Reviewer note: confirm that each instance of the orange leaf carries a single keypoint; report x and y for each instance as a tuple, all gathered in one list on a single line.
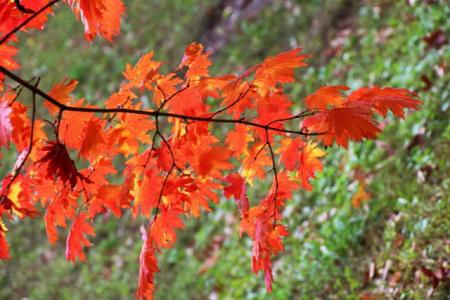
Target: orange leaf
[(100, 17), (6, 58), (148, 266), (163, 228), (93, 140), (214, 160), (360, 196), (278, 69), (144, 70), (147, 193), (326, 95), (196, 61), (61, 92), (309, 163)]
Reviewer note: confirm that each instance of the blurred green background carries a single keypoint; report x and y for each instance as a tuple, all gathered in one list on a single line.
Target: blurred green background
[(395, 246)]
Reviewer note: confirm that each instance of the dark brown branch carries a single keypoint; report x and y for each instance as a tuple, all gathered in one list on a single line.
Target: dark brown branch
[(146, 112), (58, 123), (23, 8), (21, 25)]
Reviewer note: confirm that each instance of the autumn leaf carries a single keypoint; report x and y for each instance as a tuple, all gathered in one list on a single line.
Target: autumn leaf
[(59, 163), (76, 240), (61, 92), (290, 150), (93, 141), (309, 163), (112, 197), (163, 228), (148, 266), (196, 61), (21, 126), (212, 161), (238, 140), (383, 99), (7, 53), (342, 124), (146, 192), (327, 95), (58, 211), (11, 16), (360, 196), (278, 69), (4, 247), (144, 70), (166, 133), (100, 17), (237, 189)]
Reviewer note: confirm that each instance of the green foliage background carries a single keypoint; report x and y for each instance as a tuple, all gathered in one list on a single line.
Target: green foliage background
[(402, 228)]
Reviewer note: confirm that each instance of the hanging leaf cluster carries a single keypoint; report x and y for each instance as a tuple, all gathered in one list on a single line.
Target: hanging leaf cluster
[(165, 128)]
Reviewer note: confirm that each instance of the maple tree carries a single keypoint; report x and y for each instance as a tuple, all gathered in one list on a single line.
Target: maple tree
[(175, 160)]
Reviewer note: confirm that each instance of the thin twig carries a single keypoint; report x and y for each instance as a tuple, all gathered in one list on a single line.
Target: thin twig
[(146, 112), (238, 99), (23, 8), (275, 172), (30, 147)]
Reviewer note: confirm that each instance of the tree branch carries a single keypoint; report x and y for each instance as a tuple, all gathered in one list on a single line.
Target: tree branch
[(153, 113)]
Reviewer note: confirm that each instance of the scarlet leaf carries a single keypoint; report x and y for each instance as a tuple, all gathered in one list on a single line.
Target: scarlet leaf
[(59, 163), (213, 160), (93, 143), (148, 266), (383, 99), (342, 124), (146, 193), (4, 247), (76, 239), (237, 189)]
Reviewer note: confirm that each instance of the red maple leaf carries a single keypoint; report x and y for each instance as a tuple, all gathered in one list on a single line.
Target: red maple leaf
[(237, 189), (76, 239), (59, 163), (100, 17)]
